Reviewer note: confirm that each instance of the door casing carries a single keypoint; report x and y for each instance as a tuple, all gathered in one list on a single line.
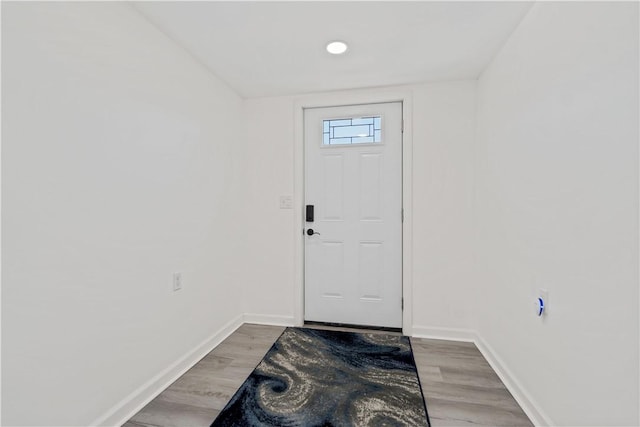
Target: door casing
[(345, 99)]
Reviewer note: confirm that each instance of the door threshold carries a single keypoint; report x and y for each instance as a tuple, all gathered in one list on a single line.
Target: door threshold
[(350, 327)]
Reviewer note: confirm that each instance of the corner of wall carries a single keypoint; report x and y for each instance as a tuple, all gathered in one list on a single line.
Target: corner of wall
[(130, 405), (517, 390)]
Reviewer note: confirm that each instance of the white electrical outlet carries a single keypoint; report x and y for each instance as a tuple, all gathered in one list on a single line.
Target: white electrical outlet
[(177, 281)]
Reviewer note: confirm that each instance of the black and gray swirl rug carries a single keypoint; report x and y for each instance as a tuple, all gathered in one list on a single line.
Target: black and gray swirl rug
[(324, 378)]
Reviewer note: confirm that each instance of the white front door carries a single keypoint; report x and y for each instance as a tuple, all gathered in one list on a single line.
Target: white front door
[(353, 196)]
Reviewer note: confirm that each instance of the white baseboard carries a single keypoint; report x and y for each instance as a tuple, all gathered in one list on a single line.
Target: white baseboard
[(449, 334), (524, 399), (130, 405), (269, 319)]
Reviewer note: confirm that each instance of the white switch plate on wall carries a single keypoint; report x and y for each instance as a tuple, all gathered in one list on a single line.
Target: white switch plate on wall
[(286, 202)]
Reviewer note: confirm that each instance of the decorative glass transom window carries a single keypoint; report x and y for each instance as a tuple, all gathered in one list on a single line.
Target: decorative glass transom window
[(361, 130)]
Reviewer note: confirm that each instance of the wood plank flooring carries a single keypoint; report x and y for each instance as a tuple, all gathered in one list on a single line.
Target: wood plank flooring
[(459, 386)]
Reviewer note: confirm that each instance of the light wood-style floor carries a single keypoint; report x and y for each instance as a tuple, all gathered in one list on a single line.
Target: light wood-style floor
[(459, 386)]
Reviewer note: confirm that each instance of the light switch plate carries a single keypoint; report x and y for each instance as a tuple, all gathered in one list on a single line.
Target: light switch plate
[(286, 202)]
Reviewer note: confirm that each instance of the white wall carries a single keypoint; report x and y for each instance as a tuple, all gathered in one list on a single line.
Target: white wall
[(557, 208), (121, 163), (443, 127), (443, 132), (269, 290)]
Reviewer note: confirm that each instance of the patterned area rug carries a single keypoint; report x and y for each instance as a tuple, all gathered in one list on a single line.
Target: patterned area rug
[(314, 377)]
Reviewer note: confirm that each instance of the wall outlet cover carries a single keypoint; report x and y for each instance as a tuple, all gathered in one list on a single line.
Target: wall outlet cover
[(177, 281)]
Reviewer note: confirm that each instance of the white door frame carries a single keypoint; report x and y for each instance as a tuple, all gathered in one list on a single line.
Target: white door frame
[(353, 98)]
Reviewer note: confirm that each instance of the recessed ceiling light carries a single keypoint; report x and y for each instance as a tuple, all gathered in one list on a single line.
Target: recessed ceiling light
[(337, 47)]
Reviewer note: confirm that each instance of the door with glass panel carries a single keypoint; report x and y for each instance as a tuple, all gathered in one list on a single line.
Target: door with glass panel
[(353, 214)]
